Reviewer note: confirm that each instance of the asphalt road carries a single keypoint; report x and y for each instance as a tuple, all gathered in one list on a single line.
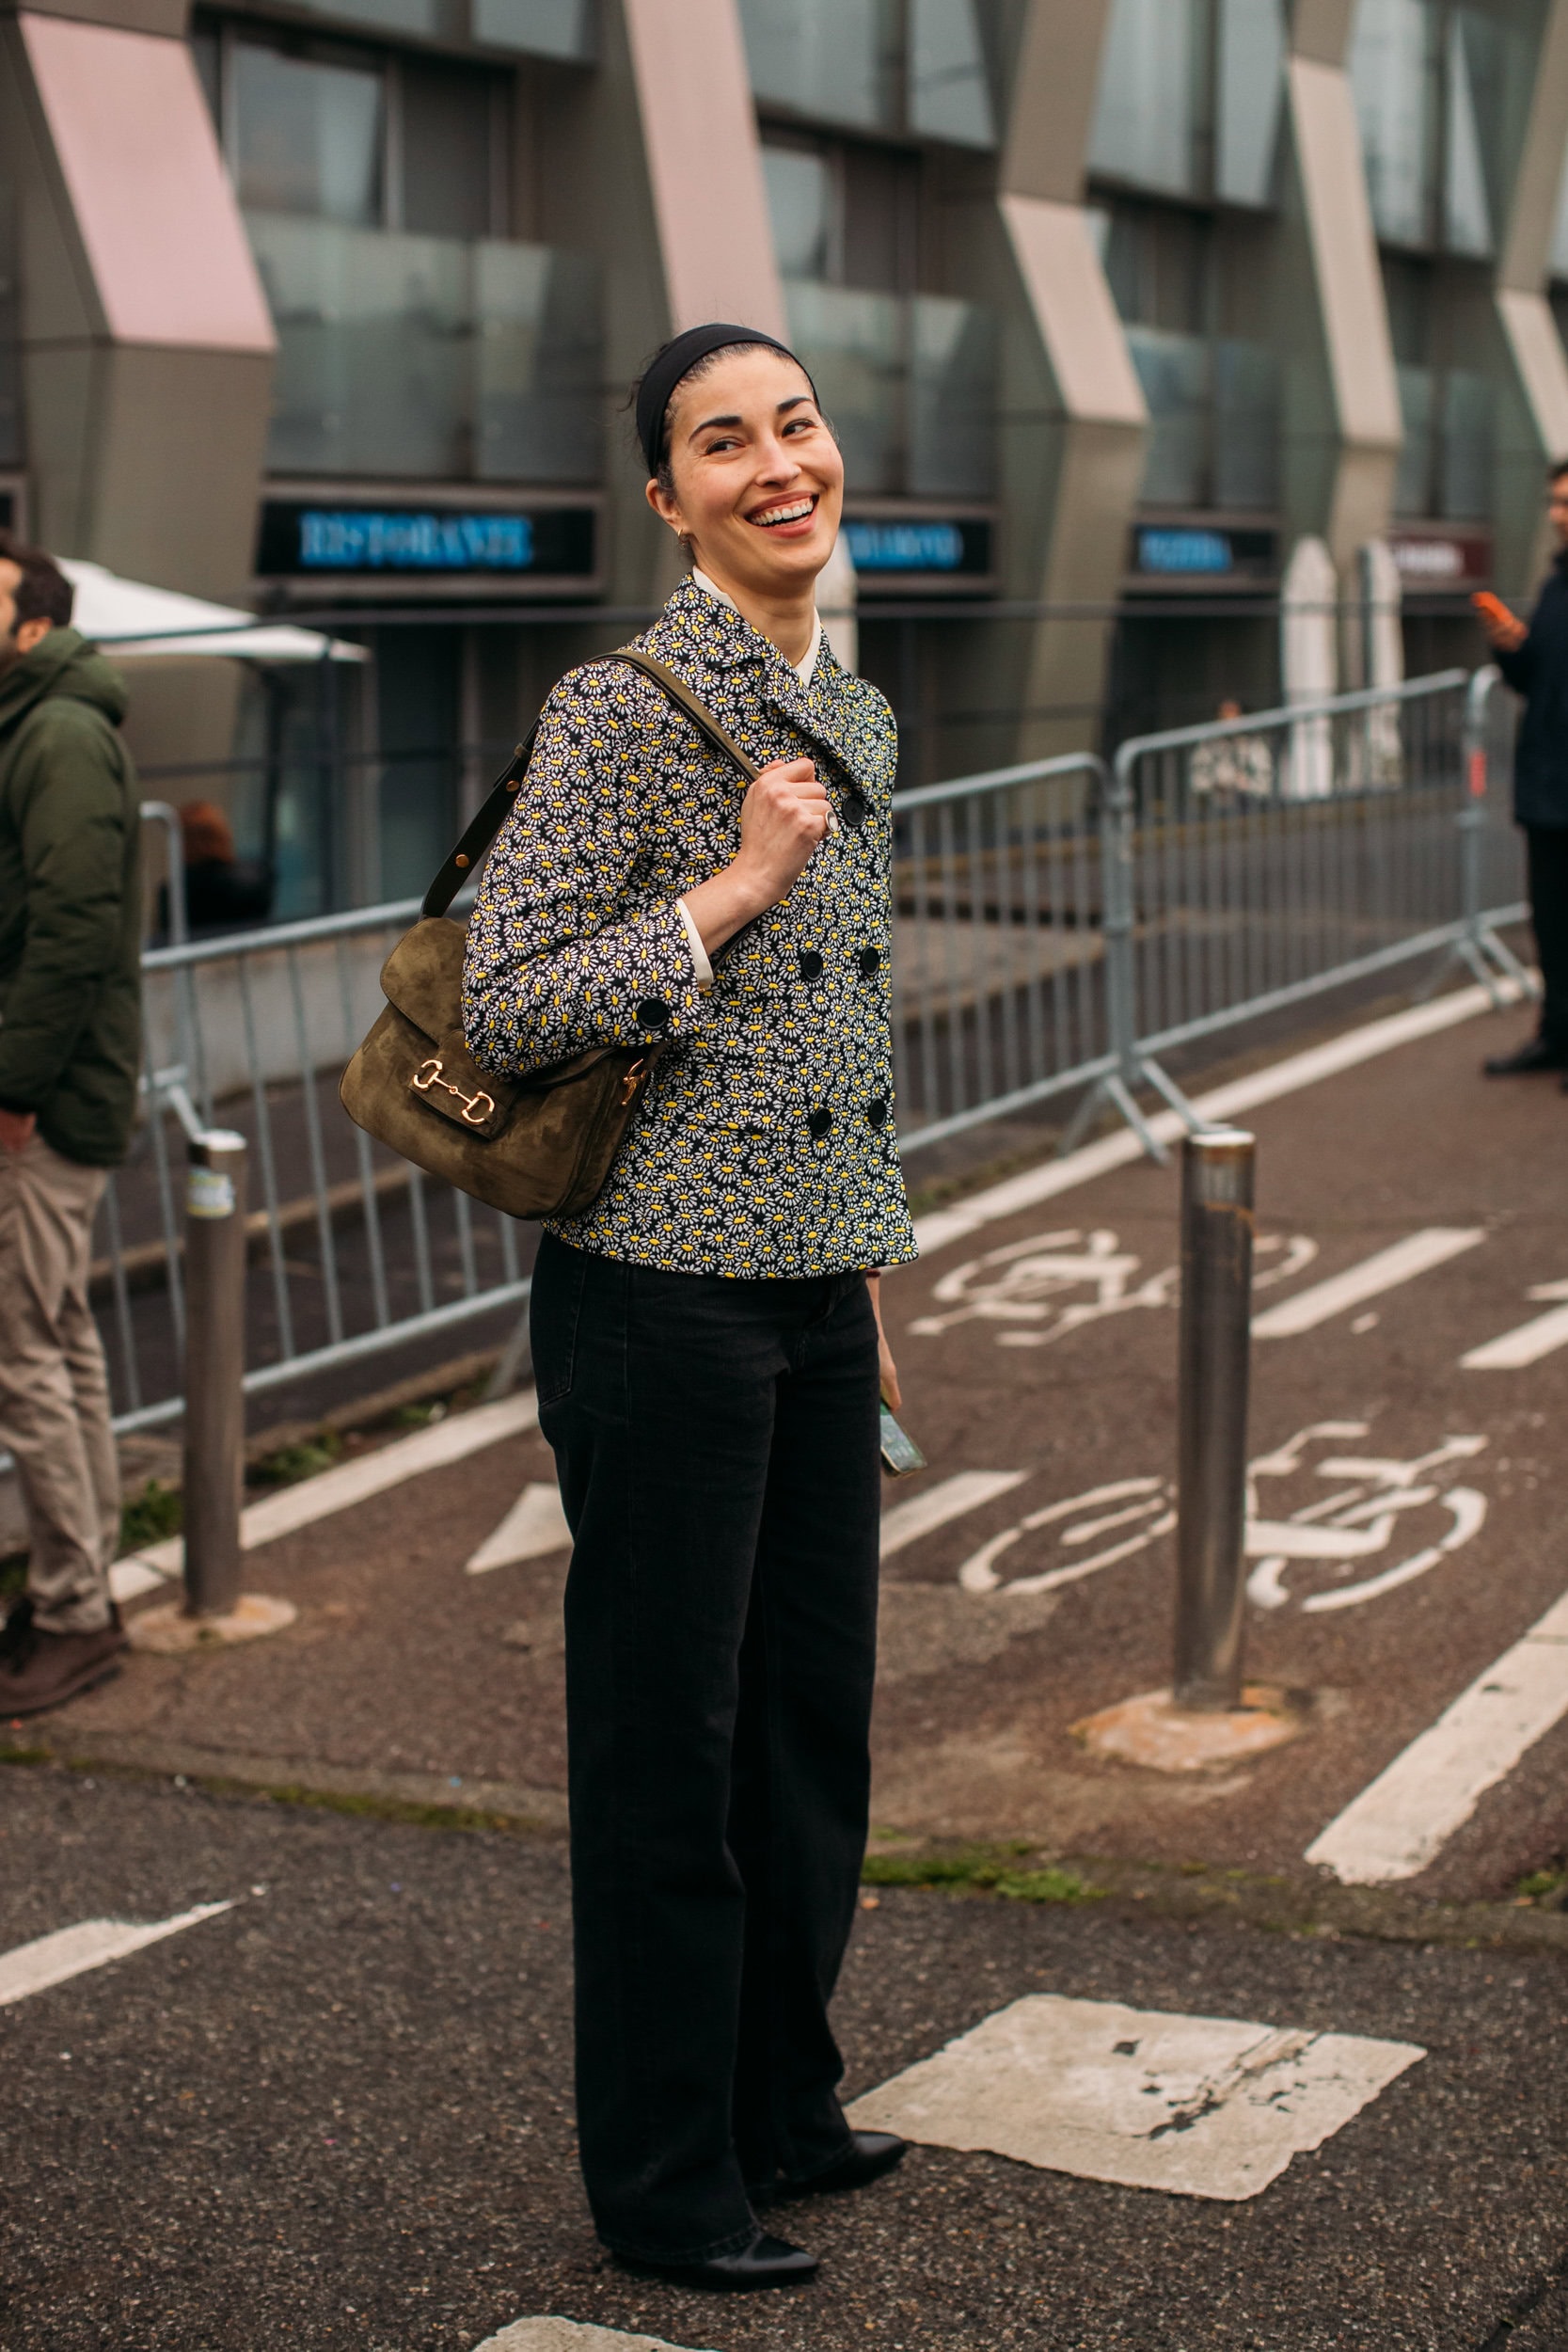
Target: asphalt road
[(339, 2114)]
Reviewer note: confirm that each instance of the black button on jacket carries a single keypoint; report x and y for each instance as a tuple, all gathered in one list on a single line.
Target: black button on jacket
[(1539, 671)]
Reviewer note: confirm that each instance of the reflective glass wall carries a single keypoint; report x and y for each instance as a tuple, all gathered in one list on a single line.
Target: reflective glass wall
[(933, 67), (1185, 155), (1442, 95), (414, 341)]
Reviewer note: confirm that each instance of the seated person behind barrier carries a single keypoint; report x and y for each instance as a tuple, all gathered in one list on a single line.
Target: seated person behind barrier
[(1232, 767), (222, 893)]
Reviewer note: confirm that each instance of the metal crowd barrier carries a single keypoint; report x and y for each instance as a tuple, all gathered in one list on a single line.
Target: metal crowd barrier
[(1058, 927)]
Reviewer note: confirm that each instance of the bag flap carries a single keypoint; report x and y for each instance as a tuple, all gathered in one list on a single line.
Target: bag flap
[(423, 975)]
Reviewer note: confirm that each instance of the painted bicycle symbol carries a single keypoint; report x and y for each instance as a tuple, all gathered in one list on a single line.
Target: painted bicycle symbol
[(1374, 1505), (1029, 1287)]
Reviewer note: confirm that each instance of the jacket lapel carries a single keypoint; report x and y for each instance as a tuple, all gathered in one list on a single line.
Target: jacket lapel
[(725, 661)]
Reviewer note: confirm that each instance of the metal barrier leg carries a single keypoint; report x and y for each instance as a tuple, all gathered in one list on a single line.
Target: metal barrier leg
[(215, 1370), (1215, 1354)]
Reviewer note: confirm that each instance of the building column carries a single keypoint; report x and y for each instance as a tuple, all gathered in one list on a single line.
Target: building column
[(1074, 423), (1535, 434)]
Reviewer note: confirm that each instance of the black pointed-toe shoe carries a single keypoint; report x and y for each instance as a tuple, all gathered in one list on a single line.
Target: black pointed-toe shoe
[(867, 2157), (1537, 1053), (767, 2261)]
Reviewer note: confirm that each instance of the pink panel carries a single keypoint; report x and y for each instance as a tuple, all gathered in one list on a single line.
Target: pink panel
[(153, 204), (699, 130)]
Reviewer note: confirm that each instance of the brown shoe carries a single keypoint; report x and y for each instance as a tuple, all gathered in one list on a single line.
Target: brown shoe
[(40, 1669)]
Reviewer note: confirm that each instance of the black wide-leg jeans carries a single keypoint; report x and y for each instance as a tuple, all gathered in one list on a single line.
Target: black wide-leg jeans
[(717, 1446)]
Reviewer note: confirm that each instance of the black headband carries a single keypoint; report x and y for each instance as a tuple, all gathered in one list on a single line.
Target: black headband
[(676, 360)]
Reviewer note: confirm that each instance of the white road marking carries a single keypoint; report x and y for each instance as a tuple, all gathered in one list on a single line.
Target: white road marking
[(1404, 1819), (568, 2335), (1383, 1271), (534, 1527), (71, 1951), (1226, 1103), (1199, 2106), (963, 1492), (444, 1443), (1542, 1336)]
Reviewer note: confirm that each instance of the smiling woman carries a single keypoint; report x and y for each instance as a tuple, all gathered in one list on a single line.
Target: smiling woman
[(706, 1335)]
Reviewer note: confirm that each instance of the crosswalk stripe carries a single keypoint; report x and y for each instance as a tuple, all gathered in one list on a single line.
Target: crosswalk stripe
[(71, 1951), (1383, 1271), (1404, 1817), (1542, 1336), (924, 1513)]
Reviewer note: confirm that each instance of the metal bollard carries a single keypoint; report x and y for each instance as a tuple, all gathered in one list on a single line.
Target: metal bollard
[(1215, 1350), (215, 1370)]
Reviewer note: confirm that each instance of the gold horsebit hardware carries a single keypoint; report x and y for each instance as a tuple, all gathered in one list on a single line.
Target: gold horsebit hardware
[(477, 1107)]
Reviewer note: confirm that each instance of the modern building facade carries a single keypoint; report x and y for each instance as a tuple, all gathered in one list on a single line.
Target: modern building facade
[(1114, 304)]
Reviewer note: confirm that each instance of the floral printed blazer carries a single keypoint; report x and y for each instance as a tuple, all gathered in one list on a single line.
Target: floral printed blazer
[(765, 1142)]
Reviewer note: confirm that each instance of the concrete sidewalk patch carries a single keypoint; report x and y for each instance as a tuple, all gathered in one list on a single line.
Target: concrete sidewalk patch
[(1199, 2106), (565, 2335)]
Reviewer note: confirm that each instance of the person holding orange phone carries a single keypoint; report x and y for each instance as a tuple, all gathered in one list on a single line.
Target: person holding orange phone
[(1533, 657)]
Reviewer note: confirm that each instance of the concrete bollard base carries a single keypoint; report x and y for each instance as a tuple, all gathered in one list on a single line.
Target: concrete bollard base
[(168, 1632), (1152, 1731)]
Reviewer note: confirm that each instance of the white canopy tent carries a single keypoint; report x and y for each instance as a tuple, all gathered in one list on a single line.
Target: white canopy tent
[(137, 623)]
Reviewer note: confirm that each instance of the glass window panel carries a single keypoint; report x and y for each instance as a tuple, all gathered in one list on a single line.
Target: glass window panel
[(1246, 426), (799, 199), (434, 20), (1146, 117), (417, 675), (1464, 490), (952, 400), (1418, 408), (204, 57), (545, 29), (1391, 67), (853, 346), (1559, 235), (1466, 212), (1251, 97), (540, 365), (308, 136), (882, 213), (1175, 375), (445, 143), (405, 355), (950, 89), (827, 57)]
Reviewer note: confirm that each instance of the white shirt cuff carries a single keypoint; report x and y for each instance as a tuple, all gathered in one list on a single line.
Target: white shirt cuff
[(700, 964)]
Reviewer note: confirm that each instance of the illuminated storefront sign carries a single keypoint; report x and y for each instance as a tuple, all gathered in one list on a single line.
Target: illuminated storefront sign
[(1442, 558), (1201, 552), (299, 539), (925, 547)]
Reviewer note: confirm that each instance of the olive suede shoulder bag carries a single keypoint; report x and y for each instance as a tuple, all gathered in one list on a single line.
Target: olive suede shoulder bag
[(540, 1144)]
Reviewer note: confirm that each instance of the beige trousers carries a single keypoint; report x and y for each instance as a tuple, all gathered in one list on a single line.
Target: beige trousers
[(54, 1386)]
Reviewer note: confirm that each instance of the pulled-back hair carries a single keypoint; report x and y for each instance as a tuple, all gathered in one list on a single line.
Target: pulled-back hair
[(43, 592), (699, 368)]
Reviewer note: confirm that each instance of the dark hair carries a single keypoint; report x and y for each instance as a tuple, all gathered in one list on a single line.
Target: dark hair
[(43, 592), (657, 379), (1555, 473)]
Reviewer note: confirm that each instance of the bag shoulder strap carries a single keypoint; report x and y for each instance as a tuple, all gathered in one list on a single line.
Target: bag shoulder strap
[(483, 829)]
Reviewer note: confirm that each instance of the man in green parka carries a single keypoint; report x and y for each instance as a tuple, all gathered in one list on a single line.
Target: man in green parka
[(70, 1052)]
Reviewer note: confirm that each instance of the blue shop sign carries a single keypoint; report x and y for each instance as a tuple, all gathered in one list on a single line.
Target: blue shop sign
[(1199, 553), (299, 539), (883, 547), (1184, 551)]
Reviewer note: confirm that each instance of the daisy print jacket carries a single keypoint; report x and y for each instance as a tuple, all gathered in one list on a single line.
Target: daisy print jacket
[(765, 1143)]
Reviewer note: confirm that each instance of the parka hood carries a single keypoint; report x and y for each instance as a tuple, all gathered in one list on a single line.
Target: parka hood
[(61, 663)]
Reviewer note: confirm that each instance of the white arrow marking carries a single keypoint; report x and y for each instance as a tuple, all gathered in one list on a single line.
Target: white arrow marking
[(71, 1951), (908, 1522), (536, 1524), (1530, 1343), (1398, 1824), (1417, 1254)]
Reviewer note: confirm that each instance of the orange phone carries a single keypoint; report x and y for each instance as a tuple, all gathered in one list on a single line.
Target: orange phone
[(1491, 606)]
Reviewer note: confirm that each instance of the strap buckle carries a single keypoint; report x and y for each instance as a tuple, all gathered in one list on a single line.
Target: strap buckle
[(477, 1107), (635, 1075)]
